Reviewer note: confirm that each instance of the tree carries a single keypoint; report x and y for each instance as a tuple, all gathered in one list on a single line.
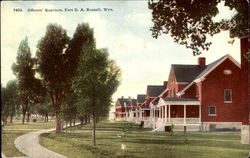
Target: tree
[(29, 88), (96, 80), (69, 109), (57, 58), (189, 22), (10, 101), (13, 101), (4, 107), (44, 108)]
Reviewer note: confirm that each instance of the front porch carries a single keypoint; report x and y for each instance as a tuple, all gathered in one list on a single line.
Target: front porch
[(182, 113)]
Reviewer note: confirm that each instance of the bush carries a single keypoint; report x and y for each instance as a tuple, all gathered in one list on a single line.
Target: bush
[(34, 120)]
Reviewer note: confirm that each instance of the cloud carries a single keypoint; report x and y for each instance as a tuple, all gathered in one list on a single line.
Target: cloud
[(100, 28), (143, 19)]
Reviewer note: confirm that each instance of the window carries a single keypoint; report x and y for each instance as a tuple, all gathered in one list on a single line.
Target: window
[(212, 111), (228, 96)]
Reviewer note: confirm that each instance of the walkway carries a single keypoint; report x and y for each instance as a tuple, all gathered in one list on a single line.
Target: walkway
[(29, 145)]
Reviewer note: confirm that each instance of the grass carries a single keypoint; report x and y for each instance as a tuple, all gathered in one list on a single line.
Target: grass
[(11, 131), (143, 143)]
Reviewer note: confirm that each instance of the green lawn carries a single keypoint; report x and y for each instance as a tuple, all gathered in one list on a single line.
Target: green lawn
[(143, 143), (11, 131)]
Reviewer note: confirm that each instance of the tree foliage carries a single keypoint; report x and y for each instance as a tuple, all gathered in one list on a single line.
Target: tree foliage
[(10, 101), (189, 22), (57, 58), (96, 80), (30, 88), (44, 108)]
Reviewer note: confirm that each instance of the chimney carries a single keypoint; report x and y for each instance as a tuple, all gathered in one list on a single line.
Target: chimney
[(202, 61), (122, 97), (165, 83), (129, 97)]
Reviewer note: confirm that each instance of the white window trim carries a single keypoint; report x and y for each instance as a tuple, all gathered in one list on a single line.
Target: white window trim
[(209, 111), (231, 96)]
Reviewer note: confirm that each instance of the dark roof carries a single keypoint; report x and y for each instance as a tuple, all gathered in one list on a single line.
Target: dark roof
[(134, 102), (141, 98), (155, 102), (180, 99), (186, 73), (155, 91), (145, 107), (126, 101), (208, 67)]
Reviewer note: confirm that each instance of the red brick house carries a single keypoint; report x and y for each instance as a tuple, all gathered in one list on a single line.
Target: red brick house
[(123, 106), (203, 97)]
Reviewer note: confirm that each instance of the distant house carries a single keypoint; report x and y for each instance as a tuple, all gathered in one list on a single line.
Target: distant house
[(123, 106), (141, 98)]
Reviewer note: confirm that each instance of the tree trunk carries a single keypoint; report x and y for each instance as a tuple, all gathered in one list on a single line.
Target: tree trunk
[(58, 125), (24, 113), (85, 119), (70, 123), (89, 119), (56, 101), (28, 117), (28, 114), (94, 123), (81, 119), (46, 118), (5, 120), (11, 117), (74, 122)]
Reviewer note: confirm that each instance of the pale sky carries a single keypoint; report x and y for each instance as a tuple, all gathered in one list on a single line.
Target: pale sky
[(124, 31)]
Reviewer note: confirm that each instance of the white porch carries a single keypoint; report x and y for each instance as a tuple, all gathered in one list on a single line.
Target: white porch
[(161, 115)]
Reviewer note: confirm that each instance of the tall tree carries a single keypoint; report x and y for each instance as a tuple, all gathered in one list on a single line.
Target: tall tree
[(13, 101), (189, 22), (96, 80), (57, 56), (29, 88), (4, 107)]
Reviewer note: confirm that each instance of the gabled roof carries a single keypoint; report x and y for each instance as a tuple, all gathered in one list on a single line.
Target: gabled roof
[(134, 102), (141, 98), (155, 90), (186, 73), (209, 68), (126, 101)]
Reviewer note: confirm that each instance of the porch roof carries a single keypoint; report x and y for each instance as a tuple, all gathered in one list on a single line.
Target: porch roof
[(178, 101), (145, 107)]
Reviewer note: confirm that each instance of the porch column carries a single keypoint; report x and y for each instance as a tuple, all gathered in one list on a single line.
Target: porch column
[(184, 113), (169, 113), (165, 113), (162, 112), (154, 118), (142, 114), (200, 113)]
